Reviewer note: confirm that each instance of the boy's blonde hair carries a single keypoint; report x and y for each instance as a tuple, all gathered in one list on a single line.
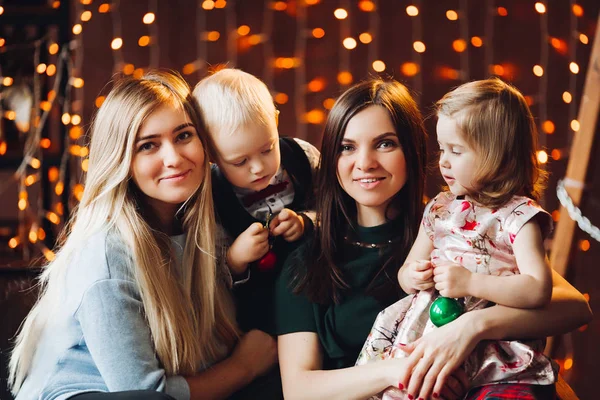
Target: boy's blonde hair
[(496, 122), (191, 326), (231, 98)]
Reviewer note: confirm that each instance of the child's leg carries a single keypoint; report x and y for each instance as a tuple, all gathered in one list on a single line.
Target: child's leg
[(512, 391)]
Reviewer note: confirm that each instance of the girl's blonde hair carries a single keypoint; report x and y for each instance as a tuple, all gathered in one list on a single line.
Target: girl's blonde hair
[(231, 98), (495, 120), (185, 337)]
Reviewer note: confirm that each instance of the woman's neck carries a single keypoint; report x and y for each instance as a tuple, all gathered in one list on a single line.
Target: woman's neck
[(163, 217), (370, 216)]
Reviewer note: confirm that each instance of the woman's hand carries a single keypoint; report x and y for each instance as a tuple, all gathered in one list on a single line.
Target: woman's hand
[(256, 352), (437, 355)]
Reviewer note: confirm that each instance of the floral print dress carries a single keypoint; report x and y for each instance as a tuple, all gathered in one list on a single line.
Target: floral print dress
[(480, 239)]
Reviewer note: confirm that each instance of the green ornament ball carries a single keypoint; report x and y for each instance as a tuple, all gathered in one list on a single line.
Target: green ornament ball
[(444, 310)]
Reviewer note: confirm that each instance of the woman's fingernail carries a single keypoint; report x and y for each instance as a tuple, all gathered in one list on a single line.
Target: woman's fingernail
[(436, 395), (400, 386), (410, 396), (401, 344)]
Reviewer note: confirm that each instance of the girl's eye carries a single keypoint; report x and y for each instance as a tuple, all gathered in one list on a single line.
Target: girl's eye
[(458, 153), (239, 164), (346, 147), (267, 151)]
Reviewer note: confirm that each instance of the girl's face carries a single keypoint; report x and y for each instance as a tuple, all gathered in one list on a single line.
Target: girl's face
[(371, 167), (168, 160), (458, 160)]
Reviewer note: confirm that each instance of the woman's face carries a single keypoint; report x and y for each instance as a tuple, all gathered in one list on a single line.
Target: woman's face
[(168, 160), (371, 167)]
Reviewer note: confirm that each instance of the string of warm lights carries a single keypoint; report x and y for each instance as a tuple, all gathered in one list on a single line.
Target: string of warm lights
[(300, 73), (232, 33), (267, 31), (414, 69), (117, 42), (348, 42), (489, 35), (202, 39), (542, 97), (373, 34), (150, 19), (461, 45)]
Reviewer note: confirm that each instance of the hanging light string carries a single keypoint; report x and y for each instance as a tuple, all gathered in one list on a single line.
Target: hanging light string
[(2, 142), (417, 58), (543, 87), (463, 22), (344, 65), (117, 42), (267, 31), (300, 72), (373, 47), (201, 41), (489, 36), (32, 156), (32, 145), (232, 35), (33, 126), (153, 31), (573, 77)]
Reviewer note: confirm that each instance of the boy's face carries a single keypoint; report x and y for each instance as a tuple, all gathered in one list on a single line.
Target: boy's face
[(249, 157)]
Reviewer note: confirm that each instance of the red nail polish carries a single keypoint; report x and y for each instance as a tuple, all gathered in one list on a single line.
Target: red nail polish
[(436, 395), (400, 386), (401, 344), (410, 396)]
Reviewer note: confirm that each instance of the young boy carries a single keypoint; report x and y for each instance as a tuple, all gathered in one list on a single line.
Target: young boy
[(261, 186)]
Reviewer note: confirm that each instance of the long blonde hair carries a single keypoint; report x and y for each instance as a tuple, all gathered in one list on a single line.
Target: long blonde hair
[(184, 338)]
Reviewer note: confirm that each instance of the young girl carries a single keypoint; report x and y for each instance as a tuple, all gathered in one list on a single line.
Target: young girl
[(134, 301), (369, 197), (482, 240)]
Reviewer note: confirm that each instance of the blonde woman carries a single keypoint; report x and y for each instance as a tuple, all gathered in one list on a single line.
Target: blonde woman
[(134, 302)]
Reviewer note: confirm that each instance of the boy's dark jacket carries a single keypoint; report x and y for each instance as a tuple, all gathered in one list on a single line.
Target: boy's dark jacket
[(255, 298)]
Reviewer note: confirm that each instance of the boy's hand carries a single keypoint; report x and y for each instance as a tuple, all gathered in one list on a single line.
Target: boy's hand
[(288, 224), (251, 245), (416, 275), (452, 280)]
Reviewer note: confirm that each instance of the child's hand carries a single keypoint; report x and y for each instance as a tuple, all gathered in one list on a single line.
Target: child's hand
[(251, 245), (288, 224), (452, 280), (416, 275)]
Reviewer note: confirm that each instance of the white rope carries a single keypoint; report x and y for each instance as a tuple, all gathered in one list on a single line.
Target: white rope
[(575, 213)]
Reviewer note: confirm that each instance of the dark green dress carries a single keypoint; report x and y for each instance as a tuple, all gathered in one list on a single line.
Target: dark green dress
[(342, 328)]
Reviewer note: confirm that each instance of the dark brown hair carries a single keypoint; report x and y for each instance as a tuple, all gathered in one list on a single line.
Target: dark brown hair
[(495, 120), (336, 210)]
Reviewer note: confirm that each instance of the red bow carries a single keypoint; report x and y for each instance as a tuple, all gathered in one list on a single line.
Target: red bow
[(252, 198)]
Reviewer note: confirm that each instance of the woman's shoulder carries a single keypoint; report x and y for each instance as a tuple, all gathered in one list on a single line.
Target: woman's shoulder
[(104, 255)]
